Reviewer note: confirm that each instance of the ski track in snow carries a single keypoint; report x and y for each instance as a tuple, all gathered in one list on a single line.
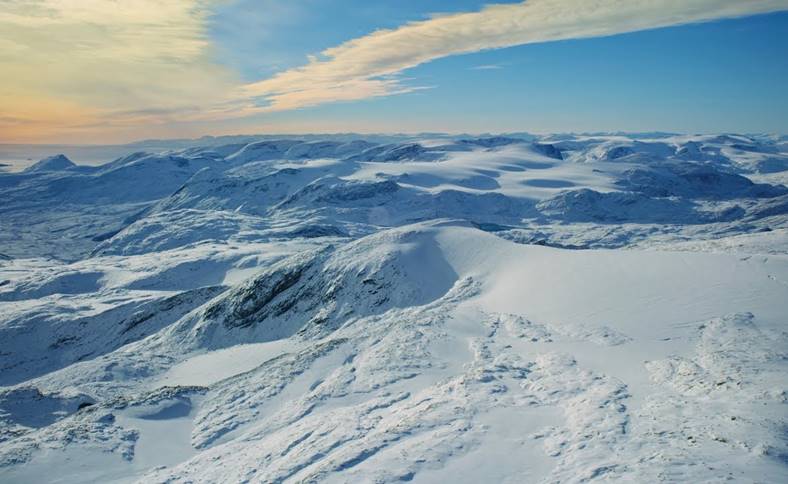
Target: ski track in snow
[(444, 309)]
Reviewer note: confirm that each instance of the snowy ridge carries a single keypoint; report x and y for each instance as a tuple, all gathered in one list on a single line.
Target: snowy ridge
[(562, 308)]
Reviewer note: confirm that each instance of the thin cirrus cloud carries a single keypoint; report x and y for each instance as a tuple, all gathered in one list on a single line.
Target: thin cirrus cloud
[(106, 70), (368, 66), (104, 66)]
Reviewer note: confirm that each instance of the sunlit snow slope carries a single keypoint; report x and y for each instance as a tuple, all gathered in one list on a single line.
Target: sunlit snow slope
[(428, 309)]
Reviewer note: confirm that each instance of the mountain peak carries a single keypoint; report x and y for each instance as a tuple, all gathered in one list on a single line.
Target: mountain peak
[(52, 163)]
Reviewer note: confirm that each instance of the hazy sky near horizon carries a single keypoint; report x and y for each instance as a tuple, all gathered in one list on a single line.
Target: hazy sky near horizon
[(106, 71)]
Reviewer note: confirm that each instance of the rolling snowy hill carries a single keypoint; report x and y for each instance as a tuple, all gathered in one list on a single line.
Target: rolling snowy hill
[(564, 308)]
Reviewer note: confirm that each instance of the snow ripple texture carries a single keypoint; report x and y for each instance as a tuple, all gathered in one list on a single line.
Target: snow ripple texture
[(432, 309)]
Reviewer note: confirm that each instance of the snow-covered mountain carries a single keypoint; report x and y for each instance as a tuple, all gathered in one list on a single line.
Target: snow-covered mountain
[(562, 308)]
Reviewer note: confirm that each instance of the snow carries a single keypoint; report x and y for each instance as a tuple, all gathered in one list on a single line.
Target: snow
[(564, 308), (52, 163), (163, 433), (215, 366)]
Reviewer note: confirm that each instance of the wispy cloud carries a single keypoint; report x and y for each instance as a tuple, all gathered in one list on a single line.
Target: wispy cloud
[(107, 66), (368, 66), (487, 67), (66, 63)]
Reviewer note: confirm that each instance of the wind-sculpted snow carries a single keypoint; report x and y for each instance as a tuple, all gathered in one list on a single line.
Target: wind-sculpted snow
[(290, 149), (161, 231), (52, 163), (695, 181), (736, 361), (399, 308), (615, 207), (68, 338), (245, 189), (335, 191), (401, 152), (65, 213), (313, 293)]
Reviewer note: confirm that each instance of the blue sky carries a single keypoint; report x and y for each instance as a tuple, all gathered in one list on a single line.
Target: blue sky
[(106, 71), (261, 37), (726, 75)]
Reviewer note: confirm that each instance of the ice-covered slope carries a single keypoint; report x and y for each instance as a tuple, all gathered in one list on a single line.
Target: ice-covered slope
[(499, 309), (52, 163), (62, 214), (428, 350)]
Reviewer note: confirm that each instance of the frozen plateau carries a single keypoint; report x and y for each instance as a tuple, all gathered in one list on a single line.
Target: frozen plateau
[(432, 308)]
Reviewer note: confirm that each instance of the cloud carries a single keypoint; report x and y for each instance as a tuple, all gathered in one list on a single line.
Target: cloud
[(111, 69), (368, 66), (487, 67), (71, 63)]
